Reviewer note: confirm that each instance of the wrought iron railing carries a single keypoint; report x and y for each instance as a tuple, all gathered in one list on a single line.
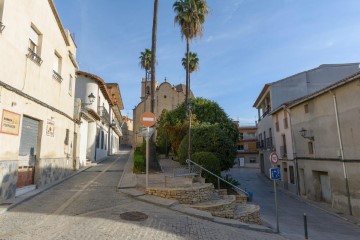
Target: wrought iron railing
[(57, 76), (283, 151), (104, 114), (236, 188), (34, 57)]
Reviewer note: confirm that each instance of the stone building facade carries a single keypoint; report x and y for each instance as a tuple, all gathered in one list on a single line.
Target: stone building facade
[(167, 96)]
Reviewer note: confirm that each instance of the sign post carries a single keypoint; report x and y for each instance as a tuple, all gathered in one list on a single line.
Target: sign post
[(275, 175), (148, 120)]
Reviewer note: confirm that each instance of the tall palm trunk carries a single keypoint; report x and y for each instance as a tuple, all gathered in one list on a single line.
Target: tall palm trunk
[(153, 164), (187, 74), (145, 90)]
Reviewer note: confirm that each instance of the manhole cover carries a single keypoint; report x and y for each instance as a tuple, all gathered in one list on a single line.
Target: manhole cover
[(134, 216)]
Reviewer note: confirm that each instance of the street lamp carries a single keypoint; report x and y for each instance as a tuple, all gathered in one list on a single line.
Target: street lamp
[(303, 133), (91, 100)]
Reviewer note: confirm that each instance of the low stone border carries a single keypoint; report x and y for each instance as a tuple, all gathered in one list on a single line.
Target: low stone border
[(190, 195)]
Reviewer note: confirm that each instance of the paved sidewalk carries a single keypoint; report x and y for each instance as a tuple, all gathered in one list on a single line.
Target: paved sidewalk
[(134, 185)]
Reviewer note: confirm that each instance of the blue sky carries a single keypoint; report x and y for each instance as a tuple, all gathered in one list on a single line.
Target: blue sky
[(246, 43)]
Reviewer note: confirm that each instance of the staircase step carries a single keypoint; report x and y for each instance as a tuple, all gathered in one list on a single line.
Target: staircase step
[(247, 213), (218, 205)]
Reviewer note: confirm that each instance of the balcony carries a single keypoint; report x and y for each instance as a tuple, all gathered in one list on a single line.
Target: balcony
[(264, 114), (104, 114), (265, 144), (116, 126), (283, 152), (57, 76), (34, 57)]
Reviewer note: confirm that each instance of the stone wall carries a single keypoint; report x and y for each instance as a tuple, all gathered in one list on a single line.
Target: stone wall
[(191, 195), (248, 213), (8, 178)]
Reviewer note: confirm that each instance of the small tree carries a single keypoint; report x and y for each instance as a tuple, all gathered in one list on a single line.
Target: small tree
[(210, 138)]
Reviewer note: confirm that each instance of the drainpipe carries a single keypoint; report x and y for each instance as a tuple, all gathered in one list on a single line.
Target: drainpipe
[(294, 153), (342, 153)]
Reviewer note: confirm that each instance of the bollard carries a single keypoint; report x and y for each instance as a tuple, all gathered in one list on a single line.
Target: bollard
[(305, 226)]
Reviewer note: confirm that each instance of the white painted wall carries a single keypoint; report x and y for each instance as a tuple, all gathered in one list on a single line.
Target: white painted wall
[(83, 141), (36, 81)]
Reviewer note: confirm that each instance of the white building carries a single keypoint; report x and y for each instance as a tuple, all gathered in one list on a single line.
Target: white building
[(100, 116), (276, 93), (38, 133)]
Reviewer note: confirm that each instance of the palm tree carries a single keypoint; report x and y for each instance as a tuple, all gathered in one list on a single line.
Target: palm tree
[(153, 164), (145, 63), (190, 15), (193, 63)]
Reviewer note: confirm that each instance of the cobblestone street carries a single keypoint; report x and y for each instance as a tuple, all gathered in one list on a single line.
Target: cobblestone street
[(87, 206)]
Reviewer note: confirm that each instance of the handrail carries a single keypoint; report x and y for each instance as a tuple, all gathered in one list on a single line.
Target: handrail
[(219, 178)]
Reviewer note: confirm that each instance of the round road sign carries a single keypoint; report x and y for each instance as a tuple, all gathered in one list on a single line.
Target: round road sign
[(274, 158), (147, 119)]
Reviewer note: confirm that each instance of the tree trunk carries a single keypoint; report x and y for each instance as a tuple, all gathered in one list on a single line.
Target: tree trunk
[(187, 75), (146, 78), (153, 164)]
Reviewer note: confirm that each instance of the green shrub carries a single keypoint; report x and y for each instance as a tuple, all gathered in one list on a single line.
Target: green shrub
[(139, 161), (231, 180), (207, 137), (209, 161)]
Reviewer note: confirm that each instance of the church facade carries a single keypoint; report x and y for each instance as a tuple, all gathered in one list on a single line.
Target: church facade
[(167, 97)]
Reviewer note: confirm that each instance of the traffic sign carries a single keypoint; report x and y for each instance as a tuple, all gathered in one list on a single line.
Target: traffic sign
[(275, 173), (274, 158), (147, 119)]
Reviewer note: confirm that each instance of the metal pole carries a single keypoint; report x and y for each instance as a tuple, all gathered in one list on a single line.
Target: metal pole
[(305, 226), (342, 154), (276, 208), (147, 156)]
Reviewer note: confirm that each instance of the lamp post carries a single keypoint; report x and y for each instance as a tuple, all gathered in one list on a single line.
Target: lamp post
[(91, 100), (303, 133)]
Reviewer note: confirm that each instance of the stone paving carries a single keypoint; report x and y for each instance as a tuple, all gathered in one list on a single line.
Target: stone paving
[(87, 206)]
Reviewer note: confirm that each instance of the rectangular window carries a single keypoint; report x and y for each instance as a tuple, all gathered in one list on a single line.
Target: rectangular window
[(97, 138), (241, 136), (277, 128), (292, 178), (67, 137), (252, 160), (34, 41), (57, 67), (286, 125), (311, 147), (240, 147), (306, 108), (34, 46), (70, 84), (102, 139), (283, 148)]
